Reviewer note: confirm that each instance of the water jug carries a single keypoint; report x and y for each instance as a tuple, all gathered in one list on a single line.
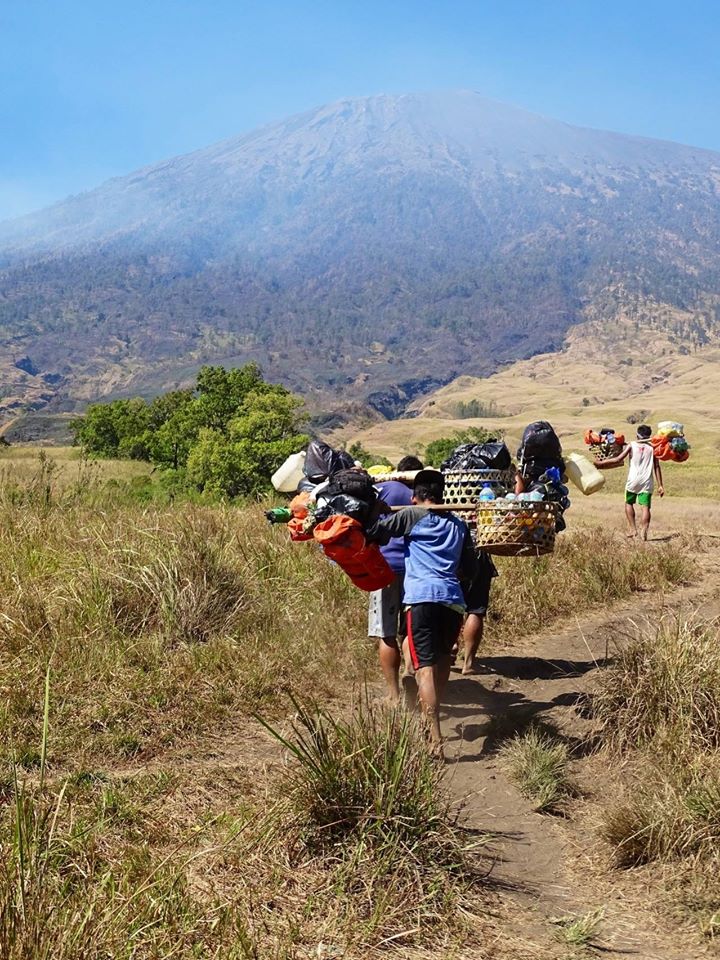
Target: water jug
[(585, 475), (287, 477)]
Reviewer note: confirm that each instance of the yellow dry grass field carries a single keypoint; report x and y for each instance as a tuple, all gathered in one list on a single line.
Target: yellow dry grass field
[(594, 381)]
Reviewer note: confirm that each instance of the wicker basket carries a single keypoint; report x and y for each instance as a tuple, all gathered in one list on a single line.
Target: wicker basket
[(516, 528), (464, 486), (603, 451)]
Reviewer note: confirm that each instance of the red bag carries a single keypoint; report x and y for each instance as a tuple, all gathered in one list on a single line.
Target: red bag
[(343, 541), (295, 526)]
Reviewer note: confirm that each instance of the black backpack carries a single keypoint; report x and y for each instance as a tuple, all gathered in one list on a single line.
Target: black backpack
[(539, 450)]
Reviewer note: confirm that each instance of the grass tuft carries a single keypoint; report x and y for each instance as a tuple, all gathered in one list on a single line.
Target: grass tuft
[(538, 764)]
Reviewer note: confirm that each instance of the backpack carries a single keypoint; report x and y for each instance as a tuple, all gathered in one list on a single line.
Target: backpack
[(353, 483), (540, 449)]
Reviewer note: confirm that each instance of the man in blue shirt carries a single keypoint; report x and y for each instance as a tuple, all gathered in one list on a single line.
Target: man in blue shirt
[(386, 619), (438, 552)]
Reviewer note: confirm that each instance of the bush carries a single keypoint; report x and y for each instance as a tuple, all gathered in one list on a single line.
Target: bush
[(537, 764)]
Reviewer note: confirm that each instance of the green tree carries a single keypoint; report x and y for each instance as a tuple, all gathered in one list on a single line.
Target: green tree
[(260, 438), (358, 452)]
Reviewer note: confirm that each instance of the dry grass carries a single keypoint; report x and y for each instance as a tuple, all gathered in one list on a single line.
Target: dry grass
[(162, 622), (660, 707), (664, 687), (538, 764), (588, 568)]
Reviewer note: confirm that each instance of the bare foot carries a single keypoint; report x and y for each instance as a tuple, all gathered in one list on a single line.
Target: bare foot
[(469, 666)]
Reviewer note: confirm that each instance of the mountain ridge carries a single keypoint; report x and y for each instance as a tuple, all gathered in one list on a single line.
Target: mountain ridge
[(368, 250)]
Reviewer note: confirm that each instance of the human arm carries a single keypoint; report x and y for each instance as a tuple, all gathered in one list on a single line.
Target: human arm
[(658, 477), (613, 461), (397, 524)]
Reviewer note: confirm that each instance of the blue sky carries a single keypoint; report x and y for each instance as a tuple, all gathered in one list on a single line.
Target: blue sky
[(90, 90)]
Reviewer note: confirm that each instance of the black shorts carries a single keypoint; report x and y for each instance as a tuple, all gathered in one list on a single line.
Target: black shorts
[(477, 592), (432, 629)]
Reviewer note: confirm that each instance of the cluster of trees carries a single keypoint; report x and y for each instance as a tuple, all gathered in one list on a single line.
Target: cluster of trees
[(476, 408), (225, 436)]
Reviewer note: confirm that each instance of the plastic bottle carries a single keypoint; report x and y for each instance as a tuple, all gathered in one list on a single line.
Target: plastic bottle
[(487, 493), (585, 475), (287, 477)]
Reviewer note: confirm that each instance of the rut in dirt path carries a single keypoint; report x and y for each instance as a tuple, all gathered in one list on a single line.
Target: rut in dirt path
[(544, 861)]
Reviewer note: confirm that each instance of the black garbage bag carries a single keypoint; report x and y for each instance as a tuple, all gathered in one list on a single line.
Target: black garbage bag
[(495, 454), (354, 483), (321, 461), (492, 455)]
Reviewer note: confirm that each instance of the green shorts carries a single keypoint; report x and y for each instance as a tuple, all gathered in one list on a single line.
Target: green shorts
[(644, 499)]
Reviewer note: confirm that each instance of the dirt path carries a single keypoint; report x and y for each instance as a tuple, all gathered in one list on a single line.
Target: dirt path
[(550, 865)]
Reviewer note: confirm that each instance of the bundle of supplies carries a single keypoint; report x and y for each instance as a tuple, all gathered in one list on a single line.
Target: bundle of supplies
[(605, 444), (669, 442)]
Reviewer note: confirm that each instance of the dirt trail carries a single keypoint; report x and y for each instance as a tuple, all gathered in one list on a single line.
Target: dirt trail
[(549, 865)]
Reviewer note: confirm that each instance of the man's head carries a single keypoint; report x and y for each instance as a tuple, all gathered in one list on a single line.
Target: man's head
[(644, 432), (409, 463), (428, 487)]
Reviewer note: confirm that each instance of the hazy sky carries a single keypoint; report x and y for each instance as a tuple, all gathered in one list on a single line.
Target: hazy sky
[(90, 89)]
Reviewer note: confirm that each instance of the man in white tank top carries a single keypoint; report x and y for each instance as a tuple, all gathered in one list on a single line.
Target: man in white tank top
[(643, 470)]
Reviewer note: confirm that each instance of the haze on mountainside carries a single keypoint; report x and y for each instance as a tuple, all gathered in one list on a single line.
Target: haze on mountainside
[(368, 250)]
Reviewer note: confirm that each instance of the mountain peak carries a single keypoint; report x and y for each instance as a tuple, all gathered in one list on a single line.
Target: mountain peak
[(370, 248)]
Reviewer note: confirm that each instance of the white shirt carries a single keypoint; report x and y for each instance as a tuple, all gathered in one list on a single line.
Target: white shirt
[(640, 473)]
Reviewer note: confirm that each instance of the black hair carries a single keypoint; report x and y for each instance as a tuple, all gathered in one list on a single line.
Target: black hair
[(431, 490), (644, 432), (410, 463)]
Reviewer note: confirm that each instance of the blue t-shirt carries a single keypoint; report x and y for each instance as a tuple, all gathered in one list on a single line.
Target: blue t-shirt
[(395, 494), (438, 551)]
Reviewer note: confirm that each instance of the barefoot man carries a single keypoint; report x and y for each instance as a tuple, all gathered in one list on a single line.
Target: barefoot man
[(643, 470), (438, 551)]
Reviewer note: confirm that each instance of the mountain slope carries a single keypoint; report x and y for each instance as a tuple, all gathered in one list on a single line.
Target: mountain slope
[(368, 250)]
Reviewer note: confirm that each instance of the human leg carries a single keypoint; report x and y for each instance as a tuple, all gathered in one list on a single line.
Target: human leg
[(472, 638), (645, 501), (630, 499), (384, 611), (432, 630), (477, 600), (389, 654)]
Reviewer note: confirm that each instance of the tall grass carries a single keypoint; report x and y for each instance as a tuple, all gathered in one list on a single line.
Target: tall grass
[(659, 705), (365, 799), (587, 569), (162, 621), (664, 685)]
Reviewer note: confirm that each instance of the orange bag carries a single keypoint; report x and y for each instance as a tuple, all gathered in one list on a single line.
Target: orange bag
[(295, 526), (343, 541)]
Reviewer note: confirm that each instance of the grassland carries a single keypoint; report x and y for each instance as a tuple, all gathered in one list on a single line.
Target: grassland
[(600, 378), (147, 812)]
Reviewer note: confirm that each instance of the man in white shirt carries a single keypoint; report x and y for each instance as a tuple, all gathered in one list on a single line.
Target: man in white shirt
[(643, 470)]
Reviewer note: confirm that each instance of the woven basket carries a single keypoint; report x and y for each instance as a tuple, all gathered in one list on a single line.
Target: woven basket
[(517, 529), (603, 451), (464, 486)]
